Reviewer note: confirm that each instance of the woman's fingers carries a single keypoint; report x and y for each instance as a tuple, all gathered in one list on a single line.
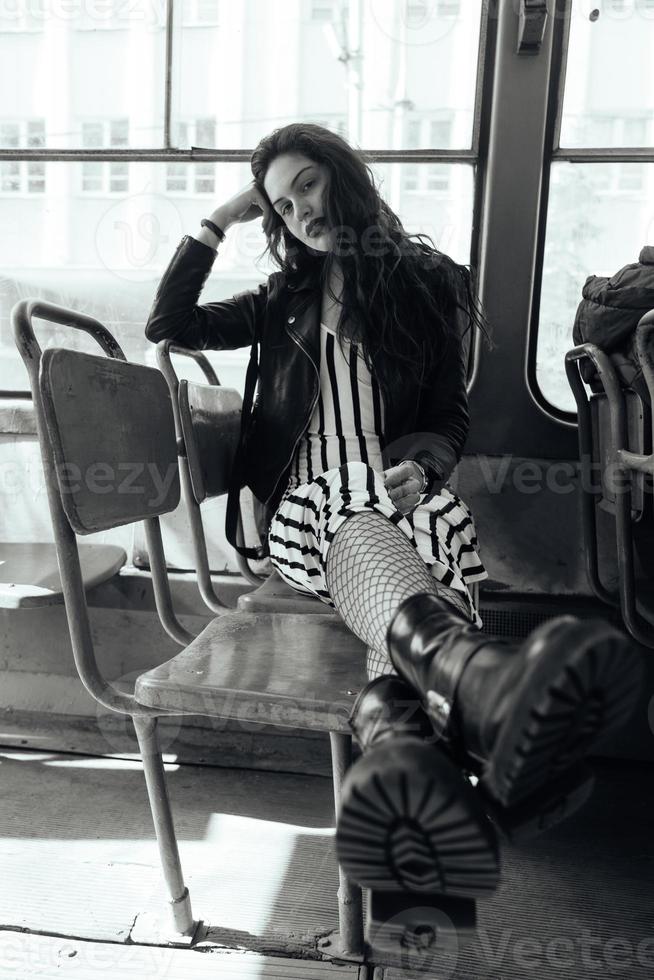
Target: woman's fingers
[(402, 485), (249, 203), (404, 499)]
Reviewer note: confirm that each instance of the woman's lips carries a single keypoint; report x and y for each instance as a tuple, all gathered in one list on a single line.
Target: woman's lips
[(315, 227)]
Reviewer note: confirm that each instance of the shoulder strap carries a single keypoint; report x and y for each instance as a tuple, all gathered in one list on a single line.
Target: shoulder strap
[(237, 478)]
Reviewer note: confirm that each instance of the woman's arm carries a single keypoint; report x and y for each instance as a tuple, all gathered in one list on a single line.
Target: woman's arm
[(175, 313), (443, 419)]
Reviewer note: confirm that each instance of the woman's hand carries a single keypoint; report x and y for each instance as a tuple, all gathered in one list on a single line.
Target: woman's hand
[(403, 483), (248, 204)]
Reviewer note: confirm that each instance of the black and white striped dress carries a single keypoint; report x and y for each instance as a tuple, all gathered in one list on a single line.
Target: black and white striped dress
[(338, 471)]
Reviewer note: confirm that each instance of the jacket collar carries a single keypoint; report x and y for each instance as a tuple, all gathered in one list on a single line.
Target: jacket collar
[(299, 283)]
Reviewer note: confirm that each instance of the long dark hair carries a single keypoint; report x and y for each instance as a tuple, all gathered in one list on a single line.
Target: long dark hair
[(401, 295)]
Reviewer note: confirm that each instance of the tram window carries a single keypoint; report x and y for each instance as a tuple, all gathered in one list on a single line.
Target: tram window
[(373, 64), (107, 228), (116, 246), (599, 212)]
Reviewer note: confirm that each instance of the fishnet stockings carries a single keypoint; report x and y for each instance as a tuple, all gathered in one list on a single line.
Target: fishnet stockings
[(371, 568)]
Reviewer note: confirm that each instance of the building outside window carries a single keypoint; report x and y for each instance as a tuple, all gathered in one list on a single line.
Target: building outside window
[(328, 10), (108, 227), (431, 177), (100, 177), (22, 176), (200, 13), (22, 15), (201, 177)]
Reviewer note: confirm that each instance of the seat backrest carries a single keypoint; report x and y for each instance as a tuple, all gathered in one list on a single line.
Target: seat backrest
[(111, 429), (210, 419), (207, 423), (638, 440)]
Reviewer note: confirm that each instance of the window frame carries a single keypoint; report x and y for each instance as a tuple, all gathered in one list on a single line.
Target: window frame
[(473, 156), (553, 154)]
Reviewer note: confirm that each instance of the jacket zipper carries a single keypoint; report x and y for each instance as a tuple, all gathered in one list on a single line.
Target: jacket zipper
[(313, 405)]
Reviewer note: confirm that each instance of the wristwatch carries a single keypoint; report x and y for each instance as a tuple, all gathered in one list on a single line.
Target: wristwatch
[(425, 481)]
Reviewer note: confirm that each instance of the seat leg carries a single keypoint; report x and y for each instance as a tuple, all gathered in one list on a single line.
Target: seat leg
[(350, 908), (180, 901)]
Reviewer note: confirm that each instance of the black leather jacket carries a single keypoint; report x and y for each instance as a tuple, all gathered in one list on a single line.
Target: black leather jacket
[(428, 426)]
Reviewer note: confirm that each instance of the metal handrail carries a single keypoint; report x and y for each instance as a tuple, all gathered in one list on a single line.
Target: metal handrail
[(638, 620), (588, 497)]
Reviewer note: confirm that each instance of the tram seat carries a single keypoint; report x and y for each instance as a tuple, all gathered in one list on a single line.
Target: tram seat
[(615, 433), (30, 575), (265, 668), (207, 425)]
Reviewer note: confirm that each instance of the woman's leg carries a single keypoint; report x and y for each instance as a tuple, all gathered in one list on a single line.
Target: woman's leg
[(521, 714), (371, 568)]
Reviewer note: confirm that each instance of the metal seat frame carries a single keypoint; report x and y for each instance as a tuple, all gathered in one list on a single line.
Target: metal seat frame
[(272, 593), (131, 431), (638, 619)]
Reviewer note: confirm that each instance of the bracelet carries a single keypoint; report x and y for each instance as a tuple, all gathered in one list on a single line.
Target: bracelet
[(218, 232)]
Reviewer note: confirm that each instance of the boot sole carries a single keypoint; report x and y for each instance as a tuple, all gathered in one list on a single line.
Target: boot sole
[(409, 821), (581, 683)]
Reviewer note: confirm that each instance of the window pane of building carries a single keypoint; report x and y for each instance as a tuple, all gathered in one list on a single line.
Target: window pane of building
[(600, 215), (73, 64), (91, 173), (9, 176), (205, 132), (119, 129), (366, 68), (36, 177), (446, 217), (176, 179), (199, 13), (609, 85), (10, 135), (105, 255)]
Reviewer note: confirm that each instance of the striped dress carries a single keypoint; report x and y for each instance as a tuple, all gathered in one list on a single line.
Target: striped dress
[(338, 470)]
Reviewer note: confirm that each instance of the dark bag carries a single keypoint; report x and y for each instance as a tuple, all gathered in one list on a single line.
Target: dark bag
[(608, 315)]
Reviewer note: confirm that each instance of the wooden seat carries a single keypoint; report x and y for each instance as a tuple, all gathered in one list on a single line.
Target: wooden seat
[(297, 671), (301, 671), (207, 425), (29, 573), (275, 595)]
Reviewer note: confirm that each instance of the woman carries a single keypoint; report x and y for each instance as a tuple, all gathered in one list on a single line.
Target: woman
[(360, 418)]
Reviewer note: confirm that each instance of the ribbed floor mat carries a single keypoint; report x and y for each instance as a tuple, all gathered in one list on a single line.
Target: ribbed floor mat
[(577, 902)]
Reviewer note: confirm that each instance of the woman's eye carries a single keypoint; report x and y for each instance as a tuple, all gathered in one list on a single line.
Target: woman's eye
[(285, 209), (308, 184)]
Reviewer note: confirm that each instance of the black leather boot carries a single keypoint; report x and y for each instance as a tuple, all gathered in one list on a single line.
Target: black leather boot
[(409, 820), (519, 715)]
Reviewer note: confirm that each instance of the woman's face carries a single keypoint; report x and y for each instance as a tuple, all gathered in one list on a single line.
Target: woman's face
[(296, 187)]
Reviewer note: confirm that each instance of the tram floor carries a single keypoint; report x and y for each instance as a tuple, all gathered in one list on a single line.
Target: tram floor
[(80, 879)]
